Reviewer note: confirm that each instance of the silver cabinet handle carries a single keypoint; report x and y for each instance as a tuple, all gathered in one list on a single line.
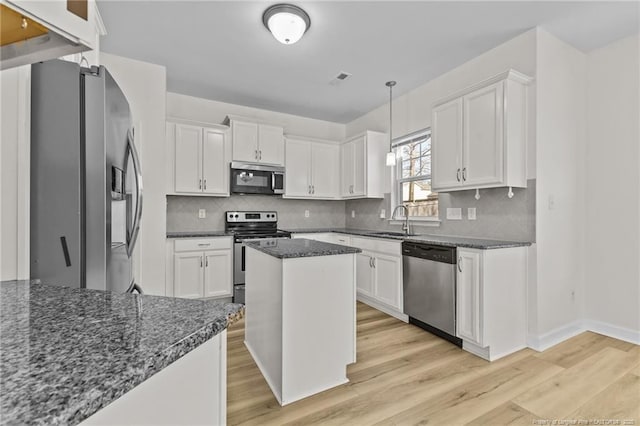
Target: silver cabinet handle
[(255, 154), (309, 190), (204, 244), (374, 261), (371, 262), (206, 262), (313, 189), (199, 183), (464, 174), (458, 175), (260, 155), (201, 261), (205, 184), (460, 263)]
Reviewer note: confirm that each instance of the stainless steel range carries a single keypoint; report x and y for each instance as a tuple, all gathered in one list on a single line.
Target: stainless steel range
[(246, 226)]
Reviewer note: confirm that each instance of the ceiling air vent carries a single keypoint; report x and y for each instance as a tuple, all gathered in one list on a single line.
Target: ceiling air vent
[(342, 76)]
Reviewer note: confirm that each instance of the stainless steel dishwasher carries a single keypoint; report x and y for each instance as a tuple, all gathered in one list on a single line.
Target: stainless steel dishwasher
[(429, 280)]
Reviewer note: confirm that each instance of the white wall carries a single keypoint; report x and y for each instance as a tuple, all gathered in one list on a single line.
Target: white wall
[(613, 186), (208, 111), (144, 85), (14, 179), (561, 133)]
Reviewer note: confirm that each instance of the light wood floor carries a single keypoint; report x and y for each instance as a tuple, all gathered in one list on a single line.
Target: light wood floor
[(405, 375)]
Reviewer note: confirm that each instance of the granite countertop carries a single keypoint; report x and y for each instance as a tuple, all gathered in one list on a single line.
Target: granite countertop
[(198, 234), (444, 240), (68, 352), (299, 247)]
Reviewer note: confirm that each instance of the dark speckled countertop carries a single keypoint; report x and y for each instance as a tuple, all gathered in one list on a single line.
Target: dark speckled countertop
[(299, 247), (65, 353), (444, 240)]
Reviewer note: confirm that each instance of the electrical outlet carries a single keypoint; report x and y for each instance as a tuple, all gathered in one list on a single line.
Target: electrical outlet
[(454, 213), (383, 214), (353, 213), (306, 213), (202, 213), (471, 213)]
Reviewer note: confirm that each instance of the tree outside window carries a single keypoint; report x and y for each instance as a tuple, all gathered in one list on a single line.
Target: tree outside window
[(413, 179)]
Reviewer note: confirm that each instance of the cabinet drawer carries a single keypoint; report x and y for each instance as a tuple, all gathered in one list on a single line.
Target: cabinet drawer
[(390, 247), (202, 244)]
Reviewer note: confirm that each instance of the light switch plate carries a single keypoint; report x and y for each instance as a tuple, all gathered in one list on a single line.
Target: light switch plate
[(202, 213), (454, 213), (306, 213), (383, 214), (471, 213), (353, 213)]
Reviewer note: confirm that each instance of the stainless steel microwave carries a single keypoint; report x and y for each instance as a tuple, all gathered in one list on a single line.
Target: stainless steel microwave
[(249, 178)]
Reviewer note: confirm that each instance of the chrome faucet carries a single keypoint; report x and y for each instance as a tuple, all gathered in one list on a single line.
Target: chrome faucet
[(405, 225)]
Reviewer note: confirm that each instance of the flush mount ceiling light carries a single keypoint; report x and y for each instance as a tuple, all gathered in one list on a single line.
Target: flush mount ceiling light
[(287, 22)]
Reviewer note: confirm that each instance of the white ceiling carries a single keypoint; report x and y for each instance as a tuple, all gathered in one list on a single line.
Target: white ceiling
[(220, 50)]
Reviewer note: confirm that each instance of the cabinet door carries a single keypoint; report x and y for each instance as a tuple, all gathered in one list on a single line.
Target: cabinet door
[(325, 170), (364, 273), (214, 168), (188, 158), (446, 145), (346, 170), (217, 273), (245, 141), (298, 165), (188, 274), (468, 303), (359, 166), (388, 287), (270, 144), (483, 145)]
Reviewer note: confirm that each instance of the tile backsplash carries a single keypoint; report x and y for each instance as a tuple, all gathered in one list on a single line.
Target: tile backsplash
[(182, 212), (498, 217)]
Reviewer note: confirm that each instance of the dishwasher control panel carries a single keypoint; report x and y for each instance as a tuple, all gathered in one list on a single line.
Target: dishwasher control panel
[(429, 251)]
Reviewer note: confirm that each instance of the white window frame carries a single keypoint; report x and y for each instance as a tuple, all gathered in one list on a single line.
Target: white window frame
[(398, 180)]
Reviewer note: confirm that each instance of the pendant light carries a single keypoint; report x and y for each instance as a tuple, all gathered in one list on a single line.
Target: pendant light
[(391, 157), (287, 22)]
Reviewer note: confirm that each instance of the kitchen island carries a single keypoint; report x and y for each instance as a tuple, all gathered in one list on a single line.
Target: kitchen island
[(301, 314), (71, 356)]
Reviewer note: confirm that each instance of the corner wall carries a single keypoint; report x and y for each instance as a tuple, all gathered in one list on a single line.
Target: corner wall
[(558, 296), (612, 188)]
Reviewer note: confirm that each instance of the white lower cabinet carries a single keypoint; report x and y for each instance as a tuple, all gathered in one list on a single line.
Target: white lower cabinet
[(491, 301), (364, 275), (199, 268)]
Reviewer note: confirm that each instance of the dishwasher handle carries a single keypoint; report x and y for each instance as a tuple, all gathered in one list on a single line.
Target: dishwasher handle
[(432, 252)]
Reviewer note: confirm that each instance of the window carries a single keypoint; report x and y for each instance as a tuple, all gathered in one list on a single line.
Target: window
[(413, 174)]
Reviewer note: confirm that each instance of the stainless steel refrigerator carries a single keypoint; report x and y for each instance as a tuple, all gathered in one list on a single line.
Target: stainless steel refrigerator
[(86, 184)]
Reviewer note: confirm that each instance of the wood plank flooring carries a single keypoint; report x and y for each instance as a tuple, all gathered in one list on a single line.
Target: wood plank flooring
[(406, 376)]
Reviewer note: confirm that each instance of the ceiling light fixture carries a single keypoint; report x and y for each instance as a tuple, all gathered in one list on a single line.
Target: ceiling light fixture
[(287, 22), (391, 157)]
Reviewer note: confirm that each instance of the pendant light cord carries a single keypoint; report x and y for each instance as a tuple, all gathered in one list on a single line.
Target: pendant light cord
[(390, 85)]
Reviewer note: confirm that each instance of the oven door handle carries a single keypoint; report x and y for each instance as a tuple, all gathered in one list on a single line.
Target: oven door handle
[(273, 181), (243, 258)]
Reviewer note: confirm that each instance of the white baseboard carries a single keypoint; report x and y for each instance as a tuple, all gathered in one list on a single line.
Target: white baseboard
[(610, 330), (381, 307), (553, 337), (560, 334)]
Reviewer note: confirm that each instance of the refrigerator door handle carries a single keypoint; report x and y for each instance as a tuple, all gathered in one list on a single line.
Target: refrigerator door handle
[(138, 178)]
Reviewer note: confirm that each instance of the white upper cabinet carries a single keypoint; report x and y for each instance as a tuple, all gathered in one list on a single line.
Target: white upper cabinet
[(256, 142), (363, 166), (312, 169), (479, 136), (54, 29), (198, 160)]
